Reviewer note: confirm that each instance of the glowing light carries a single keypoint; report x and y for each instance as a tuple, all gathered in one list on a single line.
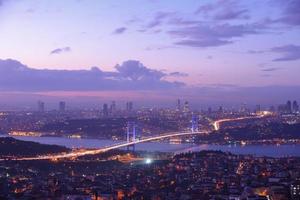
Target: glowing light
[(148, 161)]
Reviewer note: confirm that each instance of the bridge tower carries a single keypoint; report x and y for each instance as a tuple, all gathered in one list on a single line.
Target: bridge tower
[(131, 134), (194, 127)]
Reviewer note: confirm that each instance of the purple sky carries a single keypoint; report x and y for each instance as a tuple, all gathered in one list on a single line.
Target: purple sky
[(237, 51)]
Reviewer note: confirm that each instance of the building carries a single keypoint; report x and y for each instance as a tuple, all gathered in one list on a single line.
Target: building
[(220, 110), (41, 106), (113, 107), (105, 110), (295, 107), (186, 107), (295, 190), (178, 106), (243, 108), (129, 106), (62, 106), (257, 108), (288, 106)]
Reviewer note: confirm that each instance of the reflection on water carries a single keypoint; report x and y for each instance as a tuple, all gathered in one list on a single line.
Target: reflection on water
[(259, 150)]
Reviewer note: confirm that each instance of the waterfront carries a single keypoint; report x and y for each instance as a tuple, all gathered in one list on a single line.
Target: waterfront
[(162, 146)]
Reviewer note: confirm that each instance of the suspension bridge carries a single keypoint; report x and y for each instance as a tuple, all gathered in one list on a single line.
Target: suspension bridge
[(131, 141)]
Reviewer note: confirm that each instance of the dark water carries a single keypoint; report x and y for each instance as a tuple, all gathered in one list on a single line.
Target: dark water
[(258, 150)]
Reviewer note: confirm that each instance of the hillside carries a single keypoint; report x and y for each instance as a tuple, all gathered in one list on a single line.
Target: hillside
[(13, 147)]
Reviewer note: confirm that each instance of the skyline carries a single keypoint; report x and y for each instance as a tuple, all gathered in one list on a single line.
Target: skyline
[(208, 51)]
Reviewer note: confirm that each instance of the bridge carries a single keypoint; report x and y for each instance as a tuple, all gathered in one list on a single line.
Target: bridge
[(74, 154)]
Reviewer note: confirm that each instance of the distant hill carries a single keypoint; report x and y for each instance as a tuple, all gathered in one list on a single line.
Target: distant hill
[(13, 147)]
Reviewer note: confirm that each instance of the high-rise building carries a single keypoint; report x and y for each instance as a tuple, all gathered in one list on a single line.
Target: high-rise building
[(105, 110), (288, 106), (129, 106), (295, 107), (41, 106), (243, 108), (178, 106), (113, 107), (221, 111), (186, 107), (62, 106)]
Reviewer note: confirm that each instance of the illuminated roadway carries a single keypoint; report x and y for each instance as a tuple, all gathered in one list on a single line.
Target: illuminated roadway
[(217, 123), (84, 152)]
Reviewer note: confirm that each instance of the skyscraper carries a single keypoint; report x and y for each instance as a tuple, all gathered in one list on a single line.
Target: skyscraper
[(295, 107), (113, 107), (289, 107), (221, 110), (129, 106), (178, 106), (186, 107), (41, 106), (243, 108), (62, 106), (105, 110)]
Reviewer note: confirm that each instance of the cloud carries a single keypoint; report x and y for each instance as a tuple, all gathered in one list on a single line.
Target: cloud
[(130, 75), (289, 52), (221, 86), (224, 10), (255, 52), (208, 42), (178, 74), (158, 19), (120, 30), (134, 70), (271, 69), (205, 35), (290, 12), (213, 30), (228, 14), (60, 50), (204, 9)]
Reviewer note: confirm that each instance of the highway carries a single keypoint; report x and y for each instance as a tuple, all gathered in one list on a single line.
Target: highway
[(74, 154), (217, 123)]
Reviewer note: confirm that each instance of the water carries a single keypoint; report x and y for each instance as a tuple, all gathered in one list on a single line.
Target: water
[(258, 150)]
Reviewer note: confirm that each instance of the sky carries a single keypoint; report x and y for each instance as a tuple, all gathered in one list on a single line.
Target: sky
[(208, 51)]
